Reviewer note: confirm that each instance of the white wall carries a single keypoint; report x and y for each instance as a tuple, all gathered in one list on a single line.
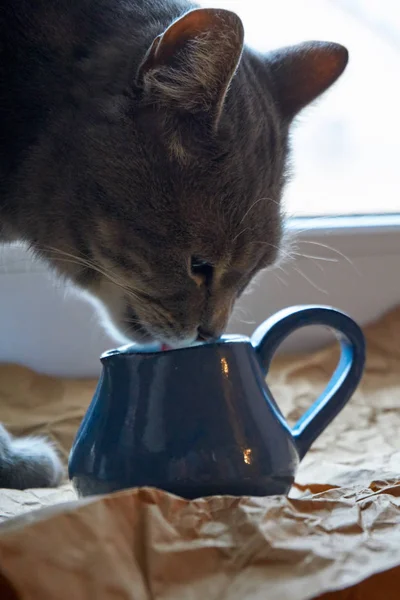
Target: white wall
[(45, 328)]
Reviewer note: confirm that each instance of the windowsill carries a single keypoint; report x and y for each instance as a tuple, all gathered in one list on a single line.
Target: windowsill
[(345, 223), (363, 235)]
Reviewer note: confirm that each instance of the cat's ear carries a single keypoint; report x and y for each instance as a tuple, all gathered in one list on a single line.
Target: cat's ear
[(190, 66), (301, 73)]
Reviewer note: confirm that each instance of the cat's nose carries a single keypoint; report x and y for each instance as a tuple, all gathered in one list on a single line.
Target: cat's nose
[(205, 335)]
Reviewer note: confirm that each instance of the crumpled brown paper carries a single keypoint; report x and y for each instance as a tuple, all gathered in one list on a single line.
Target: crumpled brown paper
[(146, 544), (336, 537)]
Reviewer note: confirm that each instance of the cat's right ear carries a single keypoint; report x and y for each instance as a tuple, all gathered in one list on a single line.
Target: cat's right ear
[(190, 66)]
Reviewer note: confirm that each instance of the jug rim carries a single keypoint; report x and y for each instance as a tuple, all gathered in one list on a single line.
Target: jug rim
[(155, 349)]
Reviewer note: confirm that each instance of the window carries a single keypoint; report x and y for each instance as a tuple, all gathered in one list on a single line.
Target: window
[(346, 147)]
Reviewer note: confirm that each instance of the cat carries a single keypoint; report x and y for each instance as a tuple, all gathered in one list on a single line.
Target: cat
[(143, 155)]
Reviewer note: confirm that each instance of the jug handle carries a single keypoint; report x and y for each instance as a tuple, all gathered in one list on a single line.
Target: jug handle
[(346, 377)]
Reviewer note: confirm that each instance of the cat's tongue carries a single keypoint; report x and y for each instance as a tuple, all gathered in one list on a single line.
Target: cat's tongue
[(165, 347)]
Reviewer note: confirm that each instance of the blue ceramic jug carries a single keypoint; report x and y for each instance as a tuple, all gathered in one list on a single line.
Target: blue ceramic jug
[(200, 420)]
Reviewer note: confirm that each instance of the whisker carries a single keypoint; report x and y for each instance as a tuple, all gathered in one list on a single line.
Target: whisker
[(240, 312), (111, 281), (281, 269), (84, 261), (346, 258), (74, 259), (320, 267), (322, 258), (310, 281), (130, 329), (248, 211), (263, 243), (282, 254), (241, 233), (283, 282)]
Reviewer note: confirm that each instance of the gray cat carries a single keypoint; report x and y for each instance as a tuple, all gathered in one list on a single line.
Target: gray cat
[(143, 153)]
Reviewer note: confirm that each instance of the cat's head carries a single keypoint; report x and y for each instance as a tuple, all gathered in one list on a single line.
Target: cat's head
[(180, 201)]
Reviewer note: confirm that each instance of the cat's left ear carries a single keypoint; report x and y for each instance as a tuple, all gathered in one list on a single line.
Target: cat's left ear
[(302, 72), (190, 66)]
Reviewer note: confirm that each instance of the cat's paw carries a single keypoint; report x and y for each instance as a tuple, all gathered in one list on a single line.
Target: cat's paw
[(28, 462)]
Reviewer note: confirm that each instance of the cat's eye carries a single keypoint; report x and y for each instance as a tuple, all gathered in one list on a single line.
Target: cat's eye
[(201, 268)]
